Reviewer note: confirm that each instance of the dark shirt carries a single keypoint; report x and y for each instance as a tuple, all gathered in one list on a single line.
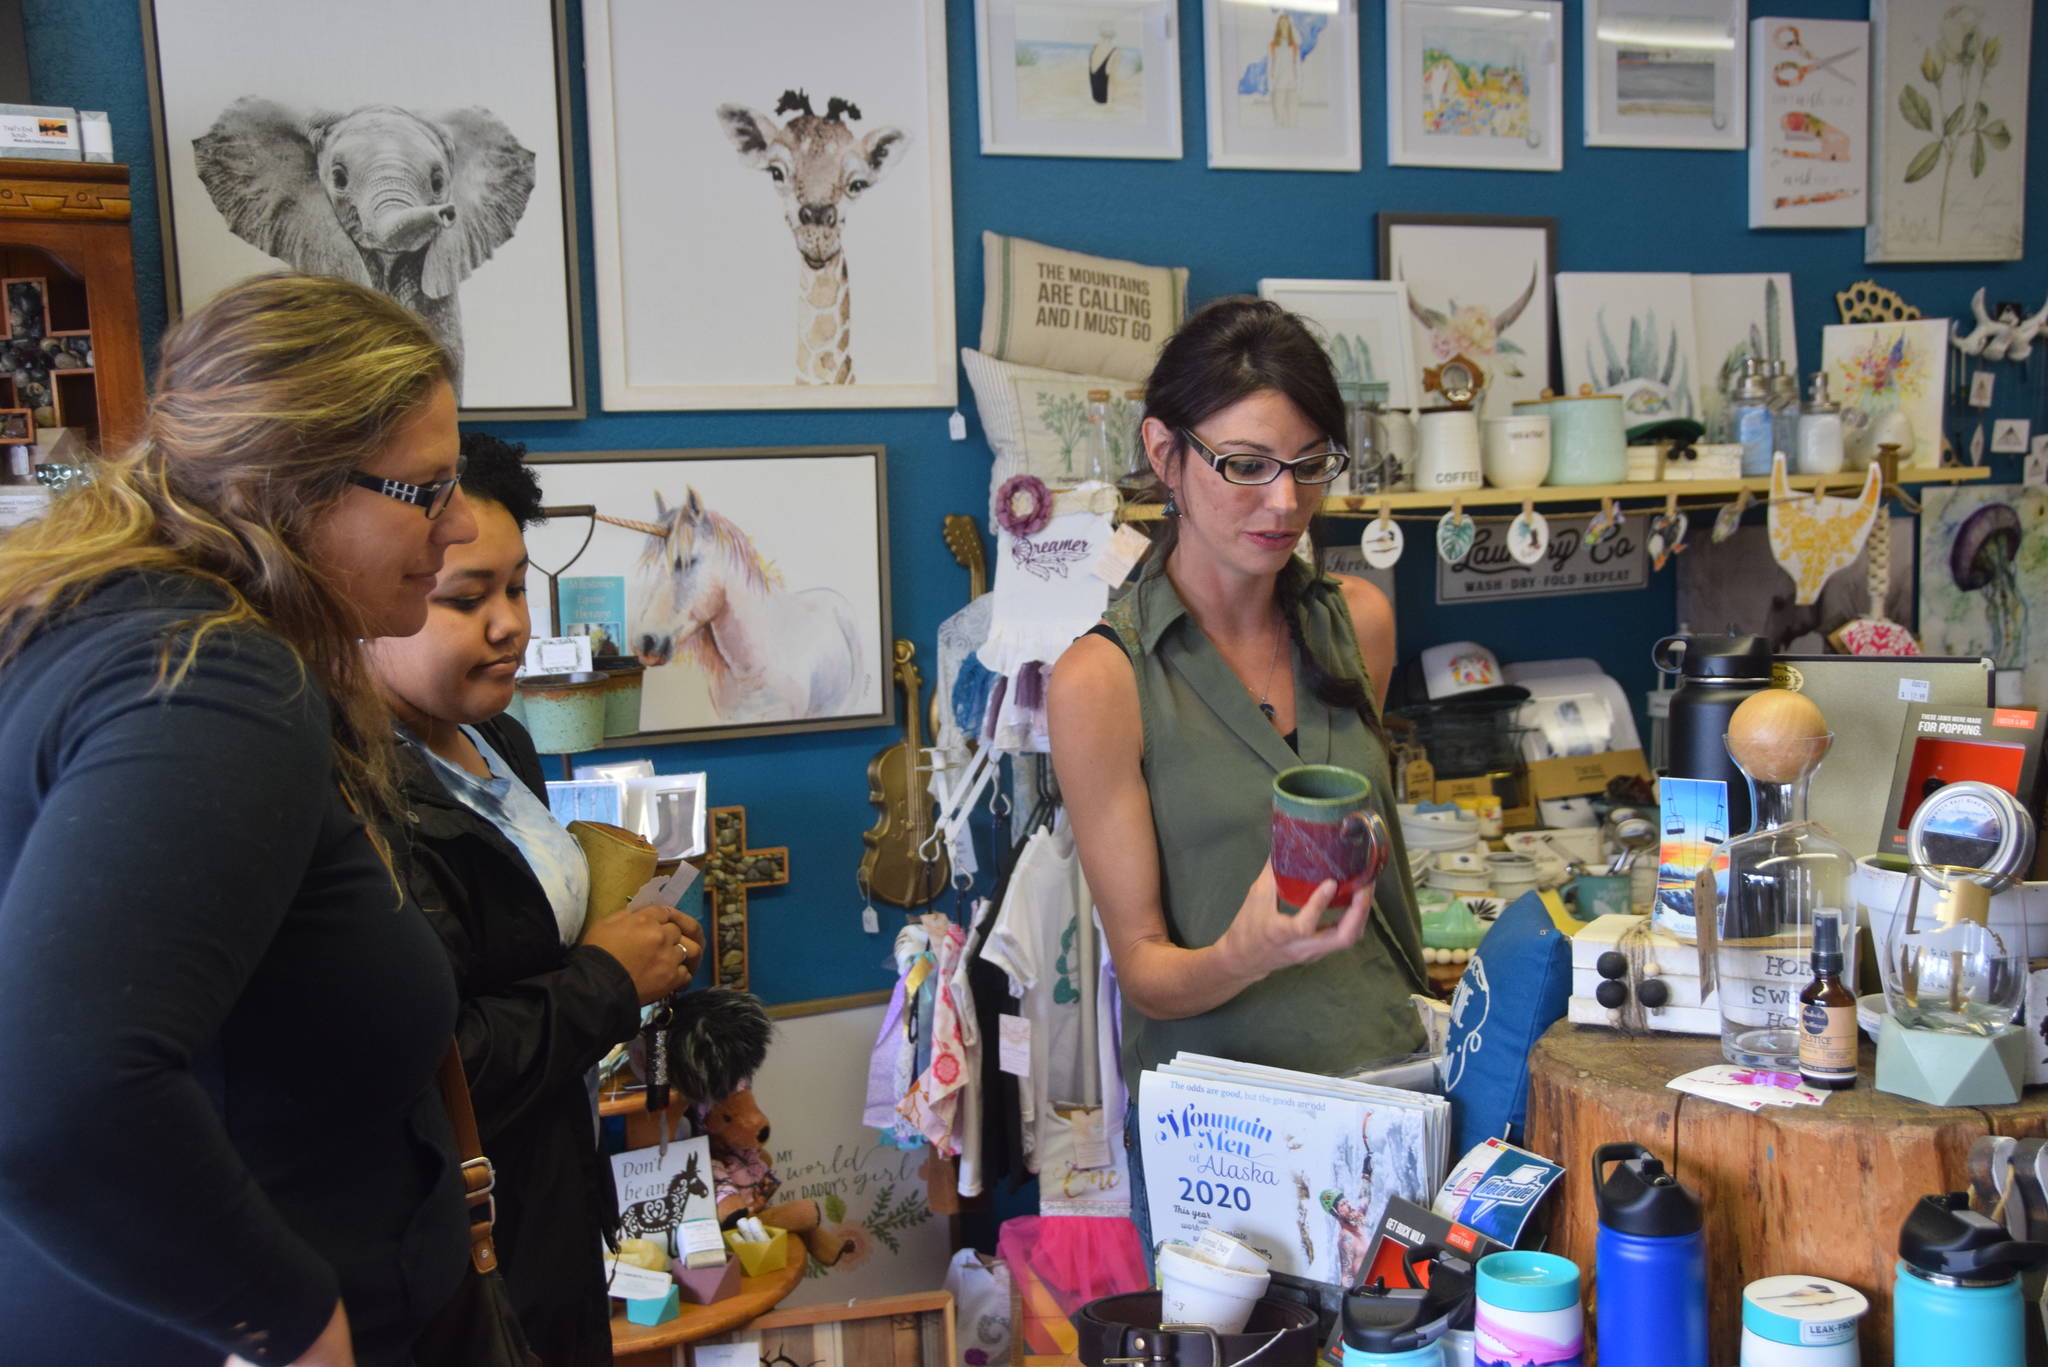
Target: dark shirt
[(537, 1015), (219, 1022)]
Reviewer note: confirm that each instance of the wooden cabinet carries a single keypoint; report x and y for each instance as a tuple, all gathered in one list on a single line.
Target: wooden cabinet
[(70, 339)]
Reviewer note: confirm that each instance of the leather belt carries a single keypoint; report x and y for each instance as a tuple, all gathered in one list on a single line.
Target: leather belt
[(1126, 1330)]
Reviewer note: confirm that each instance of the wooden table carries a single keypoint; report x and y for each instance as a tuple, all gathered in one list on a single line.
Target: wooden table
[(1809, 1189), (651, 1345)]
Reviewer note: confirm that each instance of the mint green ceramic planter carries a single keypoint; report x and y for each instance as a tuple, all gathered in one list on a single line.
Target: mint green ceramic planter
[(622, 679), (564, 712)]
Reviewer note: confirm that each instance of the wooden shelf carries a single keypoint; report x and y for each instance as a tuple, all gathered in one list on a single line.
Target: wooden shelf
[(1367, 505), (756, 1296)]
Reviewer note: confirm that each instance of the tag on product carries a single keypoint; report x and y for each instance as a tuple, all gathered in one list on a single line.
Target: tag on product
[(1750, 1089), (1014, 1049), (630, 1283), (1124, 550), (742, 1350), (1915, 690), (1980, 389), (557, 655), (1091, 1142), (956, 426)]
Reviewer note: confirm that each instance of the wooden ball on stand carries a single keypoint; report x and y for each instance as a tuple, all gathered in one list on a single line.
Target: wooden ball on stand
[(1778, 736)]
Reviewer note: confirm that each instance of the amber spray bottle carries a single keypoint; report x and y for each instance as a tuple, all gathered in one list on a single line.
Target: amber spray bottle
[(1827, 1012)]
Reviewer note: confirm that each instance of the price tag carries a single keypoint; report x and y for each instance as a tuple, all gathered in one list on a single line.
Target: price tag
[(1124, 550), (1014, 1049), (1914, 690), (1091, 1143), (742, 1350), (557, 655), (956, 426), (630, 1283), (1980, 389)]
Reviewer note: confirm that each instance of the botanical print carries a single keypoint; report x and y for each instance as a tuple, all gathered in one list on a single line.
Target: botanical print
[(1079, 64), (1983, 560), (1809, 153), (1630, 335), (1736, 317), (1474, 332), (1056, 429), (1362, 325), (1474, 83), (1877, 369), (1951, 126), (751, 588)]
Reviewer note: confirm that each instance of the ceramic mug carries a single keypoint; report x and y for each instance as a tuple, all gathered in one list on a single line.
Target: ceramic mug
[(1515, 452), (1324, 827), (1447, 450)]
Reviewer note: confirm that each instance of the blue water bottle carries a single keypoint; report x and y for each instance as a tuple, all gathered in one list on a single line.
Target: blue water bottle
[(1956, 1292), (1650, 1263)]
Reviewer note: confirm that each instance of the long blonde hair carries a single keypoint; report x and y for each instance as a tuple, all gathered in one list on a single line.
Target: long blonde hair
[(266, 398)]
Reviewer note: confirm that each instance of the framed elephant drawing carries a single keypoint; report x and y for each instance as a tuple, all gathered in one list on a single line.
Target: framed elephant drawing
[(420, 150), (771, 215)]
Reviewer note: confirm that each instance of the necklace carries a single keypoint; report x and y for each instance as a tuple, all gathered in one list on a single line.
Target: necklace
[(1271, 665)]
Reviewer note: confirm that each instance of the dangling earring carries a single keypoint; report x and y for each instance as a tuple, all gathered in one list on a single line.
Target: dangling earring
[(1172, 509)]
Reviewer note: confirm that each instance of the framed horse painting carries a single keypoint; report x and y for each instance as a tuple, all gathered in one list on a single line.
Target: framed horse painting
[(753, 584)]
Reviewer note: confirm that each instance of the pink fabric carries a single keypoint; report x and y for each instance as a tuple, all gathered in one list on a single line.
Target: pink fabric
[(1080, 1258)]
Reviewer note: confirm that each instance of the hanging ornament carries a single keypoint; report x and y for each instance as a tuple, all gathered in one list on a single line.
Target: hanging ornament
[(1528, 535), (1604, 523), (1874, 633), (1455, 533), (1383, 541), (1729, 520), (1977, 445), (1667, 534), (1812, 538)]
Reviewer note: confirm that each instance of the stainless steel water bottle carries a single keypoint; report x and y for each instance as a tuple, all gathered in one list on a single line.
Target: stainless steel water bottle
[(1716, 675), (1651, 1263)]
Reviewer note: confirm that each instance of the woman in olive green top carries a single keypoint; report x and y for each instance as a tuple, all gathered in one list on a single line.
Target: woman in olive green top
[(1227, 662)]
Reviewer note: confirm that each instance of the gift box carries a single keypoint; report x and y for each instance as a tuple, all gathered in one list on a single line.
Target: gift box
[(655, 1311), (758, 1258), (703, 1285)]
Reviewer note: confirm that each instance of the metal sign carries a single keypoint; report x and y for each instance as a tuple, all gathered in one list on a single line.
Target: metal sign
[(1488, 572)]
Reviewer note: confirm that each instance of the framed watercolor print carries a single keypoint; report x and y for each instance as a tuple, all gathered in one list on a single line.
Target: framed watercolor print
[(753, 584), (262, 111), (1477, 86), (1948, 165), (1809, 123), (1878, 369), (1362, 324), (1735, 317), (782, 210), (1666, 73), (1631, 333), (1078, 78), (1478, 287), (1282, 86)]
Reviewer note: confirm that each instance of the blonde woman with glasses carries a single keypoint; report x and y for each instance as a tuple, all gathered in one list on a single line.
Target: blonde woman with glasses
[(220, 1022)]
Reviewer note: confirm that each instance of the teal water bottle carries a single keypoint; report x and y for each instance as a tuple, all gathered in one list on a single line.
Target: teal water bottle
[(1956, 1292)]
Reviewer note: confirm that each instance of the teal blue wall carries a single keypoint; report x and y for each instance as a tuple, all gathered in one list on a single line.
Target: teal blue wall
[(1618, 209)]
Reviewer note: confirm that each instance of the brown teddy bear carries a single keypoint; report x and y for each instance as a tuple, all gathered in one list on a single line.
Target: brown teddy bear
[(745, 1184)]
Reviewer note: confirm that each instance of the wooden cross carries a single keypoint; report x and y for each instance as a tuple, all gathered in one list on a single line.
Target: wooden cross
[(731, 870), (30, 352)]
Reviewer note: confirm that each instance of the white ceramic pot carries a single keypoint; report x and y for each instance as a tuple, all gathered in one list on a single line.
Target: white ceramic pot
[(1195, 1291), (1515, 452), (1447, 451)]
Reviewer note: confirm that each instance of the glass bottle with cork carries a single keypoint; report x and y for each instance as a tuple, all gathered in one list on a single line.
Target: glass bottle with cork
[(1827, 1013), (1097, 462)]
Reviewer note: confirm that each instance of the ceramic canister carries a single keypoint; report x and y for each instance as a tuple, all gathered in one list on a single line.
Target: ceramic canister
[(622, 679), (1796, 1321), (1447, 454), (1515, 451), (565, 712), (1528, 1313), (1588, 436), (1324, 827)]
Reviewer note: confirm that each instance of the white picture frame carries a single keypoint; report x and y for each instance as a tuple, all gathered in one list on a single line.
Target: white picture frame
[(1283, 86), (1362, 324), (1944, 212), (1666, 73), (1479, 286), (694, 199), (239, 131), (1078, 78), (1516, 124), (1809, 123)]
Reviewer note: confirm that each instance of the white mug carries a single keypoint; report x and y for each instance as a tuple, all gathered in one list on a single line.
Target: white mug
[(1447, 450), (1516, 451)]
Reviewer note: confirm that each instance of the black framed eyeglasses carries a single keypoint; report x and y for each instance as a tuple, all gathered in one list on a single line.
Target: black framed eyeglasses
[(432, 498), (1240, 467)]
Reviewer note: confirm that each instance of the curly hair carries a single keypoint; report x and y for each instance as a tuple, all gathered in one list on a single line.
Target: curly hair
[(495, 471)]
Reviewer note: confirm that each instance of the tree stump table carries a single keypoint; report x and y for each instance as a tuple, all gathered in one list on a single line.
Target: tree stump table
[(1806, 1189)]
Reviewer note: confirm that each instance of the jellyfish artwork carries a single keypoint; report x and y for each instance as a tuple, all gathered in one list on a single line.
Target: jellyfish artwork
[(1986, 557)]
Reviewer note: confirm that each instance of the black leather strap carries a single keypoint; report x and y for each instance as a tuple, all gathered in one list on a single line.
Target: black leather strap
[(1125, 1330)]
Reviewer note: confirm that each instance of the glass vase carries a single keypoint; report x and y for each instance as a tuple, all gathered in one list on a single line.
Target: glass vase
[(1946, 966), (1772, 881)]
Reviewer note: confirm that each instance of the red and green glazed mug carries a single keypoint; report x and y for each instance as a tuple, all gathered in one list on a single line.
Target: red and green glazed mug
[(1324, 827)]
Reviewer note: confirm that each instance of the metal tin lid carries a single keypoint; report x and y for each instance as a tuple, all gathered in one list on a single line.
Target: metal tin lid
[(1972, 825), (1807, 1312), (1752, 385), (1817, 400)]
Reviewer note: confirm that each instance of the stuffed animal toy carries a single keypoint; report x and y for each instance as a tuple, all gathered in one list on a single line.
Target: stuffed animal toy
[(717, 1039), (745, 1184)]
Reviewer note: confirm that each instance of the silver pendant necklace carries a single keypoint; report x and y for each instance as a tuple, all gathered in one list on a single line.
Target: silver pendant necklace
[(1272, 714)]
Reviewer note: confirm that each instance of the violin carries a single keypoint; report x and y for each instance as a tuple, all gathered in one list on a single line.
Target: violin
[(891, 868)]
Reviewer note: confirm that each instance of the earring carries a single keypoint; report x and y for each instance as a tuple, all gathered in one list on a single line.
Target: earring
[(1172, 509)]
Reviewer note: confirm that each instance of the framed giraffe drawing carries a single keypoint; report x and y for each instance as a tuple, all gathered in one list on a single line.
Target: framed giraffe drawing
[(422, 151), (773, 219)]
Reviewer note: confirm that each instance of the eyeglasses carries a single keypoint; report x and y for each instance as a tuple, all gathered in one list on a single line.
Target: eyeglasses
[(1243, 468), (433, 498)]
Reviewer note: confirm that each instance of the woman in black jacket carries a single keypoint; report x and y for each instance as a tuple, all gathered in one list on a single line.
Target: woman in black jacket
[(505, 886)]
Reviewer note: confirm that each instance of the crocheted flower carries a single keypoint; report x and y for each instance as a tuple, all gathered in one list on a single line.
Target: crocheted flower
[(1031, 519)]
